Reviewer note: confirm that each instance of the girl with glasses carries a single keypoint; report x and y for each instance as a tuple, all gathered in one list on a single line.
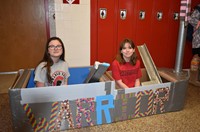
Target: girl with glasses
[(52, 69)]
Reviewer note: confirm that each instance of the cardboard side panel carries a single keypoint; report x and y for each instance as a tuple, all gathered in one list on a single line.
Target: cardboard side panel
[(177, 96), (76, 106), (61, 107)]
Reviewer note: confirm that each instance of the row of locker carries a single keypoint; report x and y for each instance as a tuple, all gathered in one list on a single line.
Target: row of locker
[(153, 22)]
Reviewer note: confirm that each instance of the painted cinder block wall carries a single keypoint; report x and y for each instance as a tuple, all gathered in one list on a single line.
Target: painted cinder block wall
[(72, 24)]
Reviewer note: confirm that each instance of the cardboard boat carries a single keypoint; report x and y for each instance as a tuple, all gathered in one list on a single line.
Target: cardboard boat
[(82, 104)]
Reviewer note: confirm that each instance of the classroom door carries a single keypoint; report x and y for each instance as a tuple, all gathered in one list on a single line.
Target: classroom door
[(22, 32)]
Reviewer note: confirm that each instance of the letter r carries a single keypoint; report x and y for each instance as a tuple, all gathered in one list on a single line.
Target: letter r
[(105, 108)]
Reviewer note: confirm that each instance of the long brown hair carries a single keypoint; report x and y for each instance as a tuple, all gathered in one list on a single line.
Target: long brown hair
[(47, 57), (120, 57)]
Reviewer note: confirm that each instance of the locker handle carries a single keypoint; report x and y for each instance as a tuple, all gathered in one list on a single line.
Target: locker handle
[(159, 15), (176, 15), (103, 13), (123, 13), (142, 14)]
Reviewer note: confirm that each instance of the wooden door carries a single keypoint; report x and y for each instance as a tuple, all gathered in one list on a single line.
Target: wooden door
[(22, 34)]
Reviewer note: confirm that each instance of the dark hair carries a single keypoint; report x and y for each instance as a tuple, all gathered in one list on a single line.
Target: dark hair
[(47, 58), (120, 57)]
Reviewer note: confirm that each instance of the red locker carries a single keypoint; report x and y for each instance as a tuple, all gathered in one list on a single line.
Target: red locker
[(106, 30), (142, 32), (160, 47), (142, 28), (126, 25)]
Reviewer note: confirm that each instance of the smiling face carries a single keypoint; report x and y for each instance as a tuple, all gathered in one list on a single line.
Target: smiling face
[(55, 49), (127, 51)]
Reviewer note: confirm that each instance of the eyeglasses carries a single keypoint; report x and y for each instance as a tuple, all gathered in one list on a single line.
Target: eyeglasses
[(57, 47)]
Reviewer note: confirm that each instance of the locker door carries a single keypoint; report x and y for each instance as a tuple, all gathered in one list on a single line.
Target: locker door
[(142, 25), (125, 20), (160, 35), (142, 28), (106, 30)]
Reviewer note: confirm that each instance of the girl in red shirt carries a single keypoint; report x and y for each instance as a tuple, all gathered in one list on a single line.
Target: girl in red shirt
[(126, 67)]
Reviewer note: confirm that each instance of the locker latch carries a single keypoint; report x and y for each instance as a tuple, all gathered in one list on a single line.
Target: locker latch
[(176, 16), (142, 15), (159, 15), (103, 13), (123, 13)]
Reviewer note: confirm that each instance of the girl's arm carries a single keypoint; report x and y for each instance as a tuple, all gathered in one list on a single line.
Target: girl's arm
[(39, 84), (121, 84), (137, 82), (66, 81)]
